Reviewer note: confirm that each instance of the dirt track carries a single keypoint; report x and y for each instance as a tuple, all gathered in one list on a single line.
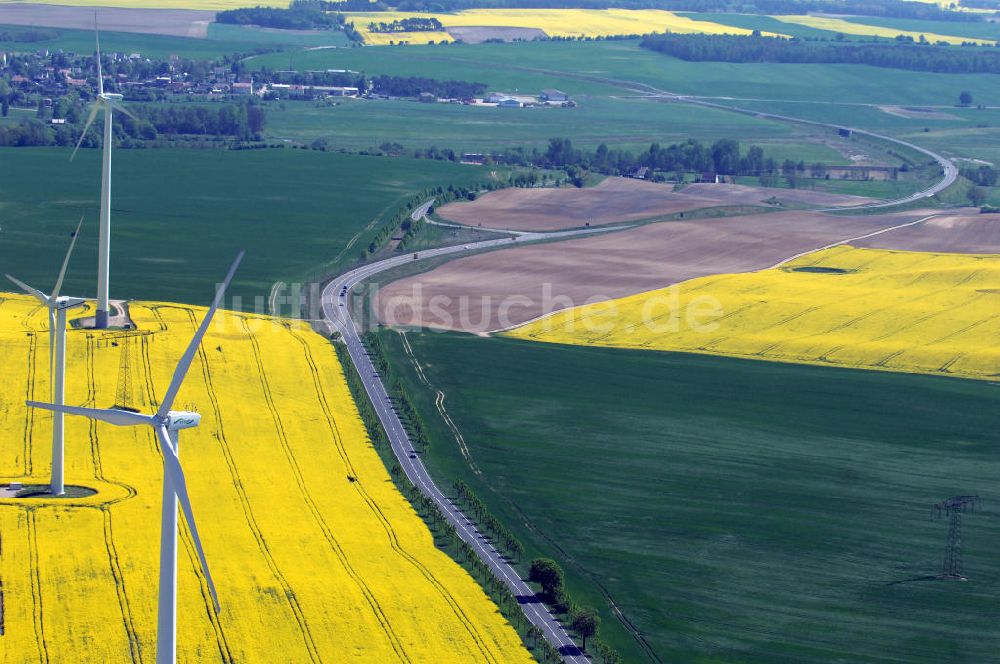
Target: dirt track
[(176, 22), (968, 233), (502, 288), (617, 200)]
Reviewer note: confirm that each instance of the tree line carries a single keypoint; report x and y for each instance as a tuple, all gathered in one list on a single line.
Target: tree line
[(392, 86), (413, 24), (884, 8), (903, 54), (300, 15), (28, 35), (412, 86), (725, 157), (236, 121), (984, 176), (547, 573)]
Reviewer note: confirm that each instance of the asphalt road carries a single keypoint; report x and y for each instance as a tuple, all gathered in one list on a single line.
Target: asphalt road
[(337, 312), (949, 170)]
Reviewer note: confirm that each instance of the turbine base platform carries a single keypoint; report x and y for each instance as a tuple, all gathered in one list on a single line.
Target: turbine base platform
[(116, 319)]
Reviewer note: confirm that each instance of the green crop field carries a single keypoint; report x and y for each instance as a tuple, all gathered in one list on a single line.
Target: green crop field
[(977, 30), (580, 67), (463, 62), (736, 511), (618, 122), (764, 24), (221, 40), (179, 216), (268, 37)]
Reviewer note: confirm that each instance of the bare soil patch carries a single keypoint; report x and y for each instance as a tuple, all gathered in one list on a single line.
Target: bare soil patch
[(499, 289), (478, 34), (175, 22), (617, 200), (917, 113), (966, 233)]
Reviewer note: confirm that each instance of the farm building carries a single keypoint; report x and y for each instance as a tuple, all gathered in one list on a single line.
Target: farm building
[(509, 103), (551, 94)]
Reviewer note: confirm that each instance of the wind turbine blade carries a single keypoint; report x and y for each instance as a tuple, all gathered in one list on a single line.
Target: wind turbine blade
[(120, 107), (116, 416), (185, 363), (90, 120), (97, 40), (69, 252), (175, 475), (39, 295)]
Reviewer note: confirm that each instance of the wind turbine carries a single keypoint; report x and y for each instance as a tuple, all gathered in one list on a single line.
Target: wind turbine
[(167, 424), (107, 101), (58, 306)]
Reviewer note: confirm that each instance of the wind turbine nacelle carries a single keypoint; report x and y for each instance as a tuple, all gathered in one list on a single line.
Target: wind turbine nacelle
[(64, 302), (112, 96), (177, 420)]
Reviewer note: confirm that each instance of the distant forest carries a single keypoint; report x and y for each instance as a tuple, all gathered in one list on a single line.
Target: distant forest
[(412, 86), (725, 157), (28, 35), (886, 8), (896, 55), (412, 24), (300, 15), (243, 122)]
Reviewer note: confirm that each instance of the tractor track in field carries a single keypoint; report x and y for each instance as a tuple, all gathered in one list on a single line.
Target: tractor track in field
[(225, 652), (380, 515), (310, 502), (439, 405), (116, 572), (1, 583), (626, 622), (36, 588), (248, 512), (114, 561), (29, 415), (147, 376), (713, 345)]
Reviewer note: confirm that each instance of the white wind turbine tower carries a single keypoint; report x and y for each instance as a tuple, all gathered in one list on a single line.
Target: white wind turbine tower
[(167, 425), (107, 101), (58, 306)]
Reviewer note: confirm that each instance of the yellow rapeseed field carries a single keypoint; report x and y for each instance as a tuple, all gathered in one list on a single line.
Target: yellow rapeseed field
[(851, 28), (555, 22), (889, 310), (309, 565)]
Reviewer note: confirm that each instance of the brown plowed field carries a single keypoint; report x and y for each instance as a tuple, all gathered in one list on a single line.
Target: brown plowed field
[(499, 289), (176, 22), (478, 34), (965, 233), (617, 200)]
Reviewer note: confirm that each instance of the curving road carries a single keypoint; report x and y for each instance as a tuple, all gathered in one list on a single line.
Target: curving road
[(337, 312), (949, 170)]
